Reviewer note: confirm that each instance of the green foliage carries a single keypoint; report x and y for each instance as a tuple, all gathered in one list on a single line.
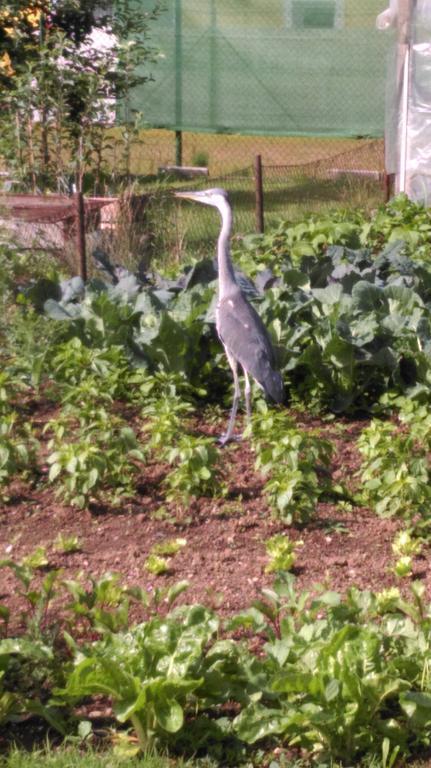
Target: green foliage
[(293, 241), (169, 547), (400, 219), (106, 368), (150, 673), (196, 471), (159, 558), (83, 755), (340, 678), (74, 756), (343, 677), (73, 101), (405, 547), (291, 458), (281, 551), (156, 564), (100, 605), (99, 463), (28, 663), (67, 544), (349, 324), (166, 415), (395, 471), (158, 329), (17, 449), (10, 388)]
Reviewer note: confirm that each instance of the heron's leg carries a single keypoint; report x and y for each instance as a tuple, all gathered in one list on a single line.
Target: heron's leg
[(236, 395), (247, 392)]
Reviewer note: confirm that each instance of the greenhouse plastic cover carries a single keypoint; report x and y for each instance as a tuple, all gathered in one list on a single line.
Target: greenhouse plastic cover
[(287, 67), (418, 162), (408, 109)]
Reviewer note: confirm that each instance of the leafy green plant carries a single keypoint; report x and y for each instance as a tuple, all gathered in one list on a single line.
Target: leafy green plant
[(102, 605), (36, 594), (196, 471), (400, 219), (169, 547), (150, 674), (405, 547), (100, 463), (339, 678), (37, 559), (165, 417), (74, 364), (67, 544), (309, 237), (10, 387), (156, 564), (394, 472), (18, 449), (158, 560), (291, 458), (281, 551)]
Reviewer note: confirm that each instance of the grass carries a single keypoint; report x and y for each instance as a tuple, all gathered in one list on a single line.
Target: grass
[(75, 757), (228, 153)]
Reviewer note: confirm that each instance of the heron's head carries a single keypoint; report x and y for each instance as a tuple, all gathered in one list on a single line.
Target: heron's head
[(217, 197)]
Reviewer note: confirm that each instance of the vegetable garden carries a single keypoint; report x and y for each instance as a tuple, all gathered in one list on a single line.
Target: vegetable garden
[(258, 604)]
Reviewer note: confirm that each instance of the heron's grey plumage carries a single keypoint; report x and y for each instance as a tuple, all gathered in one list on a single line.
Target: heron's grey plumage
[(243, 333), (239, 326)]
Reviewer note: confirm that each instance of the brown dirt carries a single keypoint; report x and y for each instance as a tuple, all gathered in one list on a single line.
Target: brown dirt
[(224, 559)]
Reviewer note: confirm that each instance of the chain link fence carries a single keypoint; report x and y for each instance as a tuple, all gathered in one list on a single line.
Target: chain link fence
[(146, 224)]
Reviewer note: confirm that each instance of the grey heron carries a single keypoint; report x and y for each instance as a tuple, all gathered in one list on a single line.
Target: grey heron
[(240, 329)]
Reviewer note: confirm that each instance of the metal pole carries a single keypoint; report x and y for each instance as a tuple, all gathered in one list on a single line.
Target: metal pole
[(213, 66), (80, 235), (258, 180), (404, 32), (178, 83), (178, 148)]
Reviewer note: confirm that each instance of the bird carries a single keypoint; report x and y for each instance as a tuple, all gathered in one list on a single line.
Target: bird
[(245, 339)]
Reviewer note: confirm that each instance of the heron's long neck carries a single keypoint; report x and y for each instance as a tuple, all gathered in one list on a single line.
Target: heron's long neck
[(226, 275)]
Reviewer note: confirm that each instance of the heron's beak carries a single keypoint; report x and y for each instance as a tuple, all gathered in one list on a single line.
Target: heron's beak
[(193, 195)]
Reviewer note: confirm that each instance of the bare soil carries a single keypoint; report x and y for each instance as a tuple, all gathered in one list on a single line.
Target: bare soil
[(224, 558)]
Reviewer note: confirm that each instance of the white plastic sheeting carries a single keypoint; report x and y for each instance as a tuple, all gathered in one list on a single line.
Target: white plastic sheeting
[(408, 107), (418, 154)]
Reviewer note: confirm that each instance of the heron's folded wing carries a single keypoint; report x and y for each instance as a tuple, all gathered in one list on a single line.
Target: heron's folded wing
[(245, 337)]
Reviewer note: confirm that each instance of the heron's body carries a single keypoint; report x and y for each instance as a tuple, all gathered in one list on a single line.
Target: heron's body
[(239, 326), (246, 339)]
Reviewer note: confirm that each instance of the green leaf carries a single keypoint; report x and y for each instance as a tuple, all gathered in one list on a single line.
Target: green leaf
[(332, 690), (169, 715)]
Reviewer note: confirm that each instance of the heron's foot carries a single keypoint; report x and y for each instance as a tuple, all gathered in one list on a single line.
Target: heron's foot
[(225, 439)]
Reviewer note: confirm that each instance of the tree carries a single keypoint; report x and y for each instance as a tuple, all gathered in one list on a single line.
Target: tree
[(59, 84)]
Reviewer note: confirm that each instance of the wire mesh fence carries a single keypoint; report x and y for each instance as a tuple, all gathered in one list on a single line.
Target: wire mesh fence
[(139, 226)]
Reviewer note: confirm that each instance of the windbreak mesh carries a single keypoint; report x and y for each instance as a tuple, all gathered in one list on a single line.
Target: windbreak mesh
[(282, 67)]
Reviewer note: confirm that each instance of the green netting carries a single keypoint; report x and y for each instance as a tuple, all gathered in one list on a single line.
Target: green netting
[(284, 67)]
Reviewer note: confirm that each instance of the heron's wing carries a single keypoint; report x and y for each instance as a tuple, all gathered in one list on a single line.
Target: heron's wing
[(245, 337)]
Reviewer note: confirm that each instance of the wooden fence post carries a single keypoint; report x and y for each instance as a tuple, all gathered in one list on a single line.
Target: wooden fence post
[(258, 180), (80, 236)]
